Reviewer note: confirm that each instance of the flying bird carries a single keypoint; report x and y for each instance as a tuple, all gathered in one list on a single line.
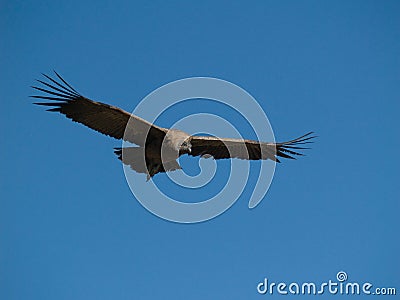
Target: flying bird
[(157, 148)]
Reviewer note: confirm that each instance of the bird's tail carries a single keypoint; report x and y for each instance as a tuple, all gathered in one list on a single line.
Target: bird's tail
[(135, 158)]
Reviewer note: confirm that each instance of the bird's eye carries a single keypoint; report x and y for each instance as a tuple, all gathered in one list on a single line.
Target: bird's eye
[(184, 144)]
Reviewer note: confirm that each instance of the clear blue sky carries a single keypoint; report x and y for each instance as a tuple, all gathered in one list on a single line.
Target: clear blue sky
[(70, 227)]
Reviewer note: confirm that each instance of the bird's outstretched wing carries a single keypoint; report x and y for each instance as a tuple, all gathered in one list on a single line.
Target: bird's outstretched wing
[(104, 118), (220, 148)]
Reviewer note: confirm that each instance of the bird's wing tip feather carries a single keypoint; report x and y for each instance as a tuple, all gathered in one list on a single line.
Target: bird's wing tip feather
[(285, 149)]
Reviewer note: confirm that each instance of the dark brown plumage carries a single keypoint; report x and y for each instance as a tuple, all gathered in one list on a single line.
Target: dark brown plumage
[(154, 142)]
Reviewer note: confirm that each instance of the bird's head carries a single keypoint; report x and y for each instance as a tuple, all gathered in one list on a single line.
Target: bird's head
[(186, 147)]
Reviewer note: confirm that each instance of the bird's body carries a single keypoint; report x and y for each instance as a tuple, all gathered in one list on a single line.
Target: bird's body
[(157, 148), (156, 157)]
